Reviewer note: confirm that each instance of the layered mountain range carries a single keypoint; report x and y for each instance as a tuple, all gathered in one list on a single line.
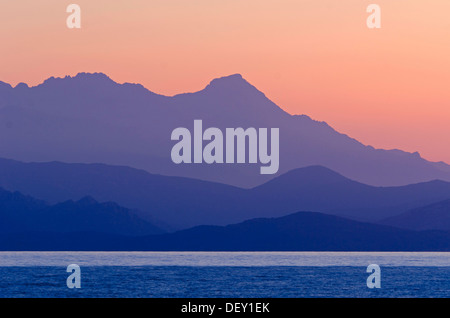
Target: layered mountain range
[(86, 166), (180, 202), (90, 118)]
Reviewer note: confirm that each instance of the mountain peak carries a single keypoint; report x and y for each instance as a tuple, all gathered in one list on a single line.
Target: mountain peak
[(233, 77), (82, 77), (229, 82)]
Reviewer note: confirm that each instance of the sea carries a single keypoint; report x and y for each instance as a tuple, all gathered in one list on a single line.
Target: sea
[(224, 274)]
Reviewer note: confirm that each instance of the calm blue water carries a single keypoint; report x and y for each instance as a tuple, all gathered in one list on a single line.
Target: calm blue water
[(42, 274)]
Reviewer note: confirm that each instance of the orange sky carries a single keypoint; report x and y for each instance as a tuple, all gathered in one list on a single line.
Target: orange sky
[(388, 87)]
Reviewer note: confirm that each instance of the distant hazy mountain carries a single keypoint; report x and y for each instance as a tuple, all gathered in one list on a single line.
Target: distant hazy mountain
[(431, 217), (303, 231), (183, 202), (90, 118), (19, 213), (317, 188), (176, 201)]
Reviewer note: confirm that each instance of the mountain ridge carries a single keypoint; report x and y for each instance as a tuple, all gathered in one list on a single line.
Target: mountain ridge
[(20, 213), (91, 118), (301, 231), (432, 216), (181, 202)]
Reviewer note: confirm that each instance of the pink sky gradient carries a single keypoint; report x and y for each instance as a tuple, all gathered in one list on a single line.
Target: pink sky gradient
[(389, 88)]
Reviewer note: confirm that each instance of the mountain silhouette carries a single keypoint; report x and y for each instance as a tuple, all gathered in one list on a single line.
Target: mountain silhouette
[(318, 188), (20, 213), (89, 118), (435, 216), (179, 202), (302, 231), (176, 202)]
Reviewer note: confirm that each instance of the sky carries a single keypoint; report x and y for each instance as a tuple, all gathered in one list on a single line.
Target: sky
[(386, 87)]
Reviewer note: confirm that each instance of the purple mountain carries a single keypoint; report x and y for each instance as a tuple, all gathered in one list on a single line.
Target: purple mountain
[(301, 231), (20, 213), (178, 202), (435, 216), (91, 119)]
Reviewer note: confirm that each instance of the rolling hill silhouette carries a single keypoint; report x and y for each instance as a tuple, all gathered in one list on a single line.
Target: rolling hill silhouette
[(90, 118), (182, 202), (20, 213), (302, 231), (435, 216), (317, 188)]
